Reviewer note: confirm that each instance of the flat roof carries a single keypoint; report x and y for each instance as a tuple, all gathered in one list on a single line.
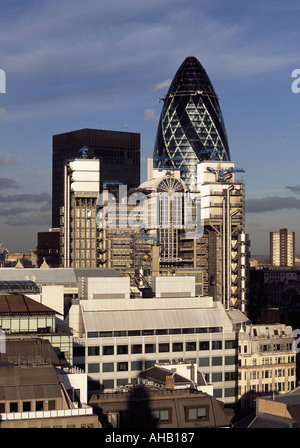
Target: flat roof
[(152, 319), (56, 276)]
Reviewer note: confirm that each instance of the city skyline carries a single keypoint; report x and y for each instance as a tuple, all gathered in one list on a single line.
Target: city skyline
[(104, 65)]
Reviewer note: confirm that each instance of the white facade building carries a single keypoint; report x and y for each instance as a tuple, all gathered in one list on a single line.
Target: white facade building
[(121, 337)]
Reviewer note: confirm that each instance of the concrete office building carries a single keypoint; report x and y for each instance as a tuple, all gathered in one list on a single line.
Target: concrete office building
[(282, 248), (119, 336)]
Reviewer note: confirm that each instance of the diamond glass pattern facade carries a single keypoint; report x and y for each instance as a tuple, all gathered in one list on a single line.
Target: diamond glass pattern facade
[(191, 127)]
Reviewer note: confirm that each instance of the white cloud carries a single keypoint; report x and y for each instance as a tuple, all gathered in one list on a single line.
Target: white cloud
[(162, 85), (149, 114), (9, 159)]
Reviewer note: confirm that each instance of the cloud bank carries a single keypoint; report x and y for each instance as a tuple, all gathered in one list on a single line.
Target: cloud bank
[(271, 203)]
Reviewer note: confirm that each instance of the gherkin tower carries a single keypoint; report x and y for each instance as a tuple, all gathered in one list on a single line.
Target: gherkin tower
[(191, 127)]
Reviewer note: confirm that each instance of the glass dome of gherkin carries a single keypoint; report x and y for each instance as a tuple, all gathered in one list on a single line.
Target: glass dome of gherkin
[(191, 127)]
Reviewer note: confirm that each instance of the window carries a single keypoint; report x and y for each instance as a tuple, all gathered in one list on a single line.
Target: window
[(92, 334), (93, 351), (190, 346), (217, 393), (106, 334), (39, 405), (217, 361), (13, 407), (229, 360), (230, 344), (26, 406), (177, 347), (108, 350), (138, 348), (120, 333), (93, 367), (203, 362), (188, 330), (165, 347), (2, 408), (136, 365), (108, 367), (149, 364), (122, 349), (196, 413), (161, 416), (230, 376), (147, 332), (161, 332), (108, 384), (134, 332), (150, 348), (216, 377), (230, 392), (122, 381), (217, 345), (122, 366), (204, 345), (52, 405)]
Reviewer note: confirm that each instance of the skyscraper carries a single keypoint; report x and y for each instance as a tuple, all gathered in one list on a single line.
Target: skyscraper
[(118, 152), (191, 139), (191, 127), (78, 219), (282, 248)]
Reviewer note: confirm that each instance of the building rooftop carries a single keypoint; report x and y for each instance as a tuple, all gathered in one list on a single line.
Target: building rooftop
[(26, 383), (20, 304), (29, 351), (159, 375), (153, 319)]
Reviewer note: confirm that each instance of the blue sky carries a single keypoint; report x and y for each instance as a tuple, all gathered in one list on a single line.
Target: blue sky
[(103, 64)]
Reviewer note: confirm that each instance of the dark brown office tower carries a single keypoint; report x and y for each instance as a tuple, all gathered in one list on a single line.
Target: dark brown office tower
[(48, 248), (118, 152)]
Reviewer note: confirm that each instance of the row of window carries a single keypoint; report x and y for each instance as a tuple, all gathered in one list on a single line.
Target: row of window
[(150, 332), (279, 387), (267, 388), (124, 366), (27, 406), (162, 348), (268, 361), (275, 347), (255, 374)]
